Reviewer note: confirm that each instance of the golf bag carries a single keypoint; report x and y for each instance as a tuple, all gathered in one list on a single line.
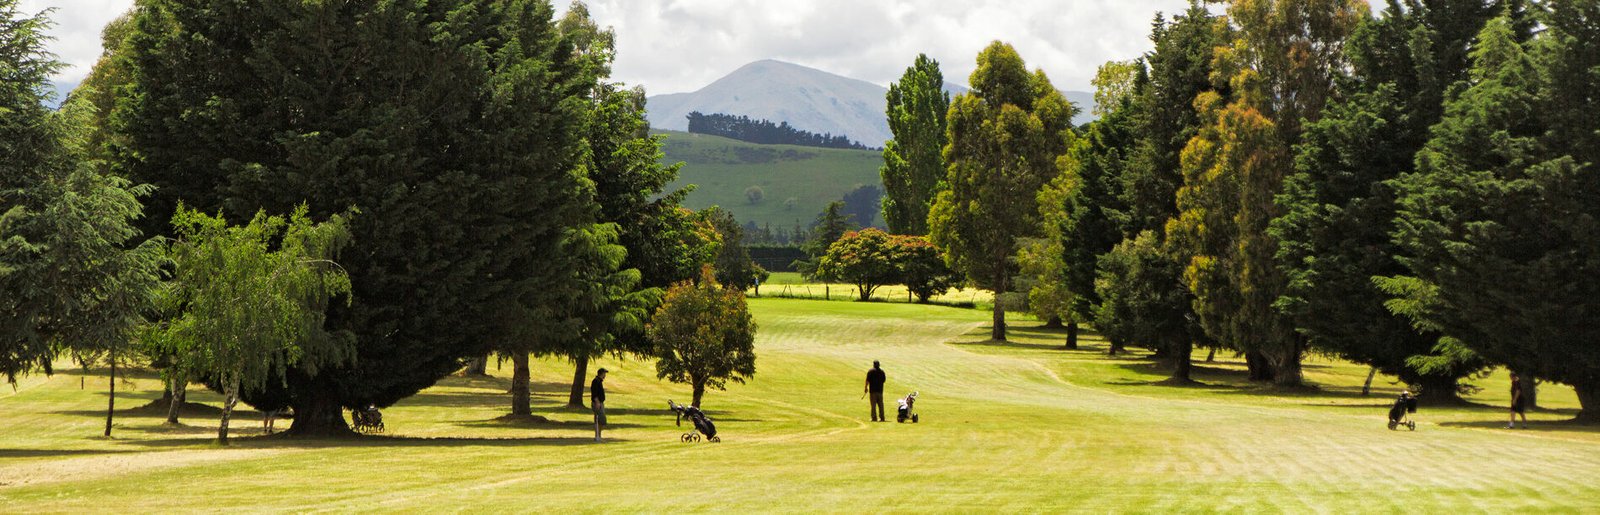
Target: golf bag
[(698, 419), (907, 407), (1403, 405)]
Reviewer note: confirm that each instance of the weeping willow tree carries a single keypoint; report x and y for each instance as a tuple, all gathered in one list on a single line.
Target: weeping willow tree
[(249, 301)]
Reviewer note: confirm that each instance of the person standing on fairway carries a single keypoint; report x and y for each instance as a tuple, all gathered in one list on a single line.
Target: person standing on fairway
[(874, 387), (1516, 403), (597, 401)]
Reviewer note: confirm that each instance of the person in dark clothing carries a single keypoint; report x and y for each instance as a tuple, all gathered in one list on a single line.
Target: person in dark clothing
[(1517, 403), (597, 401), (874, 388)]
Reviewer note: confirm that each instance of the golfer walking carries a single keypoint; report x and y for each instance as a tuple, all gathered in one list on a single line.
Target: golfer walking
[(874, 388), (1517, 403), (597, 401)]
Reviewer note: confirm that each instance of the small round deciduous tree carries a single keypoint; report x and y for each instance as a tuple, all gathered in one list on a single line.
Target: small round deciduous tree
[(754, 194), (922, 268), (865, 258), (703, 336)]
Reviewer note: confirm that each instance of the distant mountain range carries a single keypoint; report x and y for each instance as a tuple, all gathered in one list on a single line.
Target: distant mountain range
[(809, 99)]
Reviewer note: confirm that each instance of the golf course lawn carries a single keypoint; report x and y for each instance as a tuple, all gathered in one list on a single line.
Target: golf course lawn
[(1021, 426)]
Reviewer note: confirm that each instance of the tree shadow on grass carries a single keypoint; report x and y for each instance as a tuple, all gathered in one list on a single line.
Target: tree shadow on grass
[(1202, 376), (1010, 345), (185, 429), (59, 453), (538, 422), (1569, 426), (281, 441)]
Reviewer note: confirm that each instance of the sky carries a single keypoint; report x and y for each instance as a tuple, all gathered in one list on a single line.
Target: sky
[(673, 46)]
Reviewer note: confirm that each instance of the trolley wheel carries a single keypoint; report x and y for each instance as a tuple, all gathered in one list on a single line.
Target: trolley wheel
[(1393, 424), (715, 439), (1412, 425), (684, 438)]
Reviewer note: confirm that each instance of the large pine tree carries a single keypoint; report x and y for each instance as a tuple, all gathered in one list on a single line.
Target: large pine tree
[(1004, 139), (1280, 68), (1143, 298), (72, 278), (1338, 210), (1083, 211), (453, 126), (1497, 224)]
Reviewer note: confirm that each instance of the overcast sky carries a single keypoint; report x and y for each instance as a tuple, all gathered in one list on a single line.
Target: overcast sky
[(673, 46)]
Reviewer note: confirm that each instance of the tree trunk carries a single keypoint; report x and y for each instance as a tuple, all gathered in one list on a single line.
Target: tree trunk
[(864, 294), (1182, 361), (1530, 390), (826, 294), (1115, 347), (180, 393), (1257, 364), (317, 413), (575, 398), (1072, 336), (999, 331), (1588, 402), (230, 393), (521, 401), (699, 392), (479, 366), (1287, 371), (1366, 388), (111, 401), (1053, 323), (1211, 356), (1438, 389)]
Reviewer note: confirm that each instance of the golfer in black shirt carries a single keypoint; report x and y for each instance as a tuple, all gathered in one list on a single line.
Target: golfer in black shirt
[(874, 388), (597, 400)]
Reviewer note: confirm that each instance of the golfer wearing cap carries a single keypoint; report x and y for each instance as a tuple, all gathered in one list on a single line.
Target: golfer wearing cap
[(597, 400)]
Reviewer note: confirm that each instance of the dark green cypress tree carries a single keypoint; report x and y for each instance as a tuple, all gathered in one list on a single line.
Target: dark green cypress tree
[(1092, 214), (1497, 224), (1338, 210), (453, 126), (1143, 301)]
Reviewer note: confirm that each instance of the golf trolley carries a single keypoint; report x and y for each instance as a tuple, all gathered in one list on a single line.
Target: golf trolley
[(907, 405), (1399, 414), (367, 420), (700, 423)]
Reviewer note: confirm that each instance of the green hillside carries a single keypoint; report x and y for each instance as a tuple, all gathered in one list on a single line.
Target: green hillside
[(723, 168)]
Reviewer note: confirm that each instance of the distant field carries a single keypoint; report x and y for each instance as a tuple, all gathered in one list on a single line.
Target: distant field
[(1020, 426), (723, 168)]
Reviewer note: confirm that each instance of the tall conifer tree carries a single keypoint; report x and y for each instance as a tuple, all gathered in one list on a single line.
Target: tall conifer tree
[(1004, 139), (913, 162)]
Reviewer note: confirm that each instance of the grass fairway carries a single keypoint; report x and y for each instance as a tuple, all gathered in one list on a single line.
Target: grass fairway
[(1016, 427)]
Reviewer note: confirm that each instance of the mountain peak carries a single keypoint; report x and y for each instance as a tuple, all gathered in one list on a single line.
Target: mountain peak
[(807, 98)]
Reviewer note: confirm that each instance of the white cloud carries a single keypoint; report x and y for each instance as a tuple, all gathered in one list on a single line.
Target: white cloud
[(77, 30), (681, 45)]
